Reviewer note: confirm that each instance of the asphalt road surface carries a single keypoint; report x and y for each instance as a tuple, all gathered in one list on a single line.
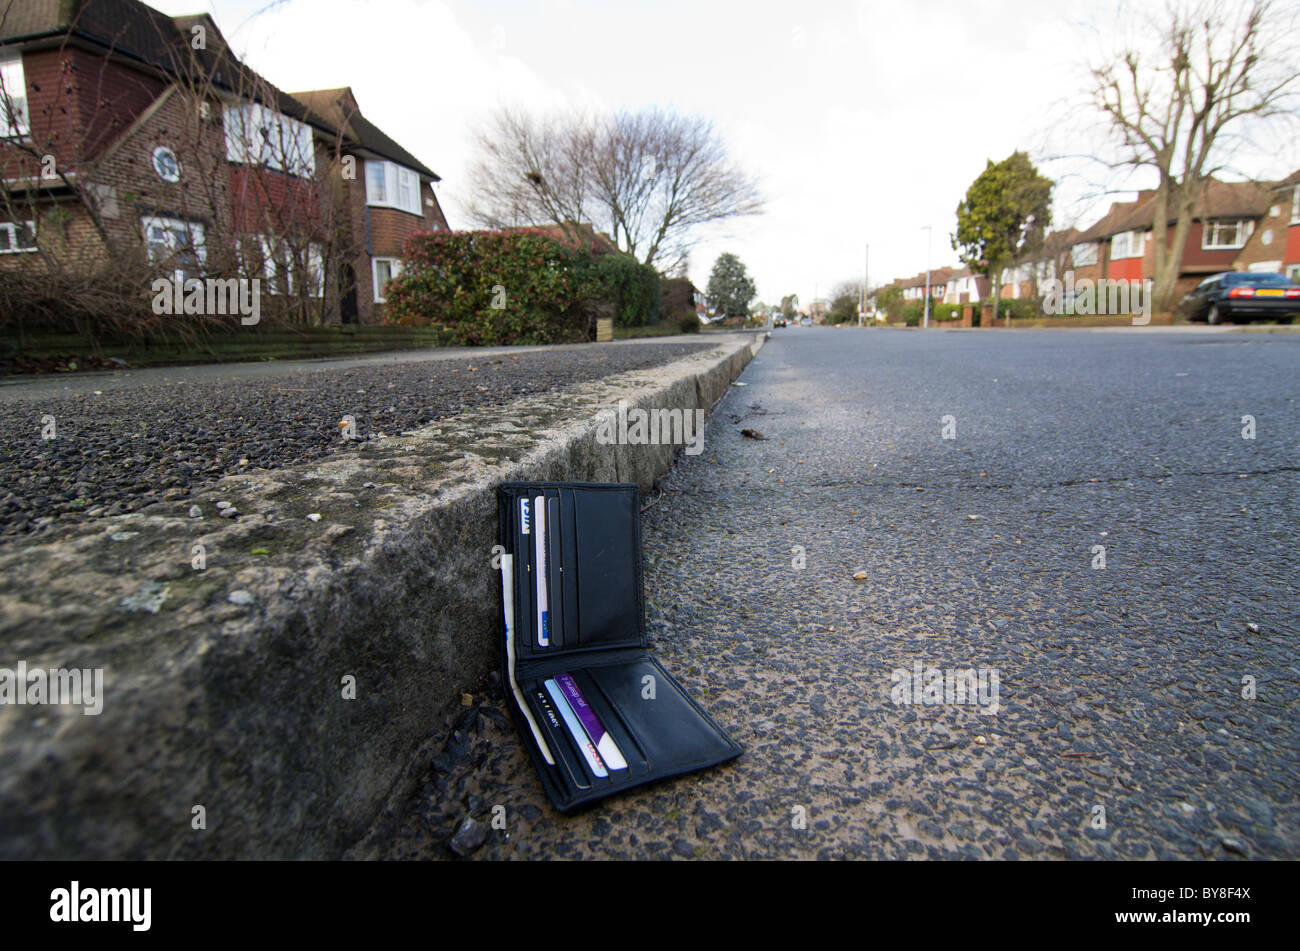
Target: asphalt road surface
[(1144, 709)]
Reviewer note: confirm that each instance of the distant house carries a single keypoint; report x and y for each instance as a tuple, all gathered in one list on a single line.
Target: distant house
[(1057, 255), (965, 287), (914, 287), (680, 297), (1120, 245)]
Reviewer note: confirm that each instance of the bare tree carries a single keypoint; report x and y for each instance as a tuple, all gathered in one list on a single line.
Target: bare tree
[(649, 179), (1180, 108)]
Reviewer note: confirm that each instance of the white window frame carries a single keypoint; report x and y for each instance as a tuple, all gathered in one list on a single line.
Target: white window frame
[(1128, 244), (1293, 272), (276, 260), (9, 231), (153, 161), (394, 271), (13, 95), (279, 259), (257, 135), (196, 241), (315, 270), (396, 180), (1295, 205), (1245, 228), (1084, 254)]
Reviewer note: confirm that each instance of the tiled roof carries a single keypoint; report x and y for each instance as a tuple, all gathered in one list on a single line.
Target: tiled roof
[(1220, 200), (338, 107), (1290, 181), (138, 32), (577, 234)]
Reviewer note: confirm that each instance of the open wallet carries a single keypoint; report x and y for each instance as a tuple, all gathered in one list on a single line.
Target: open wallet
[(598, 713)]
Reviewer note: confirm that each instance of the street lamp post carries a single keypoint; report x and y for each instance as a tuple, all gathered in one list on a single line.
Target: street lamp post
[(926, 323), (862, 301)]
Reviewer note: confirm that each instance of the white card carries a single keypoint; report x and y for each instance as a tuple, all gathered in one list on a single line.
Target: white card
[(543, 607)]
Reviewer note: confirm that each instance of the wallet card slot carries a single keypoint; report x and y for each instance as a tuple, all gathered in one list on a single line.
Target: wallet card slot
[(569, 555), (612, 720), (672, 732), (609, 590)]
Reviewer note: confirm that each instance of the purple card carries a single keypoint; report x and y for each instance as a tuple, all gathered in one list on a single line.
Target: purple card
[(605, 744)]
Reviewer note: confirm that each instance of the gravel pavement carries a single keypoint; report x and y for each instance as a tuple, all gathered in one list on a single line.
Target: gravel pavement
[(124, 441), (1146, 709)]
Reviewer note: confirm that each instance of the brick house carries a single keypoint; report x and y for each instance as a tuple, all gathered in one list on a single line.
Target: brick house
[(136, 143), (1275, 244), (1120, 247), (394, 199)]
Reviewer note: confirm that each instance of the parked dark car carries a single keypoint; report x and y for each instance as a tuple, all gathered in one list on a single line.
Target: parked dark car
[(778, 321), (1242, 295)]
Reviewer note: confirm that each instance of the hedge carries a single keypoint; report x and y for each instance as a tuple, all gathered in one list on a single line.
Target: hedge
[(630, 286), (489, 287), (516, 287)]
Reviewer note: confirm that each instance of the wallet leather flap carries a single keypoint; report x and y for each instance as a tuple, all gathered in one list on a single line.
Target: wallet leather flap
[(588, 568)]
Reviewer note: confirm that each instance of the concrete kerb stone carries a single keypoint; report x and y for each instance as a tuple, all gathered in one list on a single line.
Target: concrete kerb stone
[(223, 687)]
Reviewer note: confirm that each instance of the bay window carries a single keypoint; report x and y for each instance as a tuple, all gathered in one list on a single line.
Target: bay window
[(287, 270), (256, 135), (389, 185)]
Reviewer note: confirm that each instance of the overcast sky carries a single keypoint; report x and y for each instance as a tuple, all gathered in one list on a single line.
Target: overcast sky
[(862, 120)]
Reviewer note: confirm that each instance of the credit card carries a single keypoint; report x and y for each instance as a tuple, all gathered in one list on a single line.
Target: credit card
[(575, 729), (562, 754), (605, 745), (523, 553), (539, 574)]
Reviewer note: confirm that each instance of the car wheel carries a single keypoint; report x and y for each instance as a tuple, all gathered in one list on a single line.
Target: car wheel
[(1212, 316)]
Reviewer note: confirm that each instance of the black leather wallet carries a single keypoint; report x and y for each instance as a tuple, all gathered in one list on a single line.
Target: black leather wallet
[(587, 695)]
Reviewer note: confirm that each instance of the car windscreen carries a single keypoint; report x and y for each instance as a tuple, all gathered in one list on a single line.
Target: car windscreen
[(1264, 279)]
